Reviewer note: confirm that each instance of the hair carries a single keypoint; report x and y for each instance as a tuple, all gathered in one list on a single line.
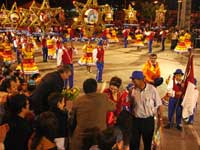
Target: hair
[(15, 104), (46, 126), (92, 137), (6, 84), (153, 55), (116, 81), (90, 86), (53, 100), (35, 76), (64, 68)]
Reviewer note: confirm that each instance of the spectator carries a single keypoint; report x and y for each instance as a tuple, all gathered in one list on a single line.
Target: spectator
[(20, 129), (114, 95), (52, 82), (3, 131), (90, 111), (57, 106), (46, 130), (146, 103)]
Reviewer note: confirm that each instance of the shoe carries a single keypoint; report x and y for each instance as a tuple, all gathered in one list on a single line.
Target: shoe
[(168, 126), (179, 127)]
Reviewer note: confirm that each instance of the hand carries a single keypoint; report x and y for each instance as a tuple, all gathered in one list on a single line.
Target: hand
[(3, 131)]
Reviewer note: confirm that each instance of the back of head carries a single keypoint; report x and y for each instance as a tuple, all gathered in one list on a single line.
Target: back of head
[(90, 86), (46, 126), (15, 103)]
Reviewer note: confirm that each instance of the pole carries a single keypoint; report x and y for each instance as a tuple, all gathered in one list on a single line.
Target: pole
[(178, 14)]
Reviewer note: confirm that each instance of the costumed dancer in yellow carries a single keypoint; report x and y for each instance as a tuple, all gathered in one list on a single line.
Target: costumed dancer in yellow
[(1, 47), (51, 48), (7, 52), (28, 63), (138, 38), (188, 42), (87, 59), (108, 36), (181, 46), (114, 38)]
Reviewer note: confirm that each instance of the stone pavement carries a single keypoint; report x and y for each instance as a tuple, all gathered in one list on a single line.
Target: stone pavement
[(121, 62)]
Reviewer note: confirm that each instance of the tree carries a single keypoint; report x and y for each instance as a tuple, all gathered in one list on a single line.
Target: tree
[(148, 11)]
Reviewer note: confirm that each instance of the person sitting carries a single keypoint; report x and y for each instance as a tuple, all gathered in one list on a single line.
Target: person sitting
[(20, 129), (90, 111), (151, 71), (45, 132)]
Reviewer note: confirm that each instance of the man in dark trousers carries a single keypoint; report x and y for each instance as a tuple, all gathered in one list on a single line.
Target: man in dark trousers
[(52, 82), (145, 102), (44, 49)]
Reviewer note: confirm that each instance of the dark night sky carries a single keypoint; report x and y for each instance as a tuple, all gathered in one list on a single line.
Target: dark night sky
[(171, 4)]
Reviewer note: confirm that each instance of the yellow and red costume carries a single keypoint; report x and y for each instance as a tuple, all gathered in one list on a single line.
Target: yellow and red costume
[(51, 48), (138, 40), (188, 42), (28, 63), (114, 38), (87, 59), (7, 52), (181, 46), (151, 72)]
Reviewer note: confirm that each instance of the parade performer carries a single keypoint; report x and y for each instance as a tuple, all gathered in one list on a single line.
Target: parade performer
[(175, 91), (87, 59), (188, 39), (114, 38), (150, 37), (125, 34), (163, 34), (181, 46), (151, 71), (58, 45), (65, 57), (100, 61), (51, 48), (138, 38), (28, 65), (114, 95), (7, 53), (44, 49)]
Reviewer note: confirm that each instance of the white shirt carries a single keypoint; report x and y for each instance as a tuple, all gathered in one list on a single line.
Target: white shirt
[(145, 102)]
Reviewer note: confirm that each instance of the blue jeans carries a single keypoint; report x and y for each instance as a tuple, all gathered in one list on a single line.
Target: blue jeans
[(100, 66), (71, 78), (150, 43), (45, 53), (125, 42), (172, 108)]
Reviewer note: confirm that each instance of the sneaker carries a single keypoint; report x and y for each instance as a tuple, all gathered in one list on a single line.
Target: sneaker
[(168, 126), (179, 127)]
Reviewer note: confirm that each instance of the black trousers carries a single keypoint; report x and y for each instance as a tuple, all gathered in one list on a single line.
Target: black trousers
[(142, 127)]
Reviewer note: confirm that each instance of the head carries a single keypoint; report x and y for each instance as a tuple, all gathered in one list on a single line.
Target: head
[(115, 84), (18, 104), (65, 72), (138, 79), (90, 86), (153, 58), (9, 85), (56, 101), (178, 75)]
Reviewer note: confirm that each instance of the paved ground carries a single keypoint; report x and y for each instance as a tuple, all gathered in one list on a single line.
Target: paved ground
[(121, 62)]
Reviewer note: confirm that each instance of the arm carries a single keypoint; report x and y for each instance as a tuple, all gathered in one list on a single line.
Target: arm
[(59, 58)]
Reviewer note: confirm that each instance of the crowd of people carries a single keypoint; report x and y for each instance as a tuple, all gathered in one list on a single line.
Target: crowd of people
[(34, 115)]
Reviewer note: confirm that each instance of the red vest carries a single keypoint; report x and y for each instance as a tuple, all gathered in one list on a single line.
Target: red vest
[(58, 44), (44, 43), (67, 56), (100, 54), (177, 88)]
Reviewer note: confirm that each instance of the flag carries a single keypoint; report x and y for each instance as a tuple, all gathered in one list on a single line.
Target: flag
[(189, 99)]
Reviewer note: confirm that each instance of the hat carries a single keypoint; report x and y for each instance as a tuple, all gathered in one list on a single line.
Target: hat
[(178, 71), (137, 75)]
